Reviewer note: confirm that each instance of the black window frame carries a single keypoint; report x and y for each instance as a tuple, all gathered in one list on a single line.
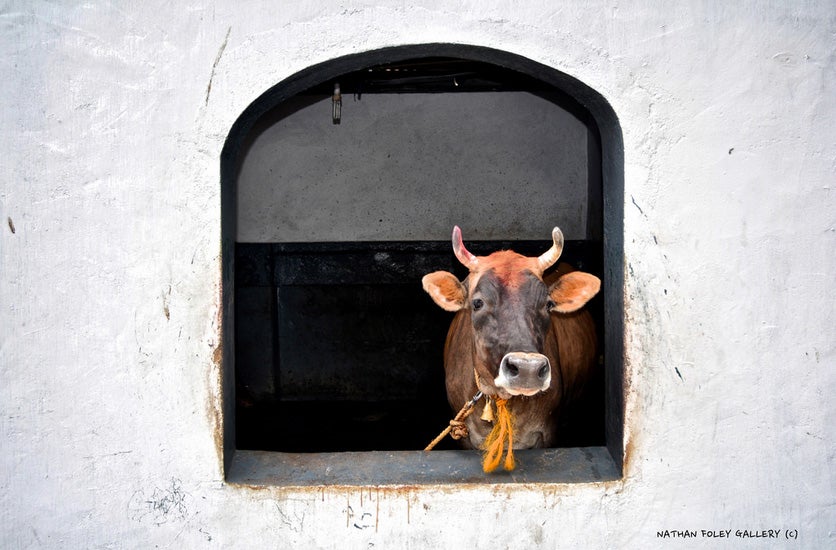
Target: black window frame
[(416, 467)]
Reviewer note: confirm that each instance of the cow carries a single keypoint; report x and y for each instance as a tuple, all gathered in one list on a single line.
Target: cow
[(521, 339)]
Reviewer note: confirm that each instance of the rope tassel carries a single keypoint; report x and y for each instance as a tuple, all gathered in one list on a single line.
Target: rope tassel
[(494, 445)]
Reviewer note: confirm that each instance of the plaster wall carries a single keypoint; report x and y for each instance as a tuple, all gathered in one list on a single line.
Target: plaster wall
[(369, 176), (112, 122)]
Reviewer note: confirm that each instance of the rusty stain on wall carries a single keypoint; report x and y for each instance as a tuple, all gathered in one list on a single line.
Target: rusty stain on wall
[(372, 509), (214, 382)]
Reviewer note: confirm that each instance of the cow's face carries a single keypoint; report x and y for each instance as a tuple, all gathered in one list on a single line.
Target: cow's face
[(510, 308)]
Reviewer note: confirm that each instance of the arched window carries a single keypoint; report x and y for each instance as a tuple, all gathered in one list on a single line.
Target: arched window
[(334, 206)]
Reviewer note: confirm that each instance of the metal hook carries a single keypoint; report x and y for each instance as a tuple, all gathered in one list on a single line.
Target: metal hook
[(336, 104)]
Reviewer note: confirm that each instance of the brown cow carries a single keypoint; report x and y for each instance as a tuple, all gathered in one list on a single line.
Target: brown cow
[(523, 339)]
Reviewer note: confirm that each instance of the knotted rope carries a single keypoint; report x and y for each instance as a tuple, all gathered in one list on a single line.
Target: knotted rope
[(457, 428), (494, 444)]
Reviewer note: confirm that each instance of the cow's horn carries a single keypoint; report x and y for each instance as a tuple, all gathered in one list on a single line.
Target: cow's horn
[(466, 258), (551, 255)]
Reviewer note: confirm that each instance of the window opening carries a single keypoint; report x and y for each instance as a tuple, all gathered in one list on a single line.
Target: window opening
[(335, 346)]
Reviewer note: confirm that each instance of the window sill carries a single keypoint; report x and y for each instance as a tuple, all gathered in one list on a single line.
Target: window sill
[(570, 465)]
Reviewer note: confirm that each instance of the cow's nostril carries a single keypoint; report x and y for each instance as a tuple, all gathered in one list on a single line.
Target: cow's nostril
[(512, 369), (543, 372)]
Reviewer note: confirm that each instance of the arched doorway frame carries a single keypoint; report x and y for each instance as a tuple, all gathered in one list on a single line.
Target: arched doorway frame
[(612, 175)]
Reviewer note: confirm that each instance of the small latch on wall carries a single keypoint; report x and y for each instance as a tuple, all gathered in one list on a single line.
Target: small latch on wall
[(336, 104)]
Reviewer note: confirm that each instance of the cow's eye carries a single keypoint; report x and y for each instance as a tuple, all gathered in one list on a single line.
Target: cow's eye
[(477, 304), (550, 305)]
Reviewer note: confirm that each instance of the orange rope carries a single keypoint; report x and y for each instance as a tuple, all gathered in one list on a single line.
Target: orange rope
[(457, 428), (494, 444)]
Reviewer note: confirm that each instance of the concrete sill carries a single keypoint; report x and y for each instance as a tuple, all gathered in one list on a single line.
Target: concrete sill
[(571, 465)]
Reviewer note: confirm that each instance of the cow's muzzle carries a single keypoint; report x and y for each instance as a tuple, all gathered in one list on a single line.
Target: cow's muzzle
[(524, 373)]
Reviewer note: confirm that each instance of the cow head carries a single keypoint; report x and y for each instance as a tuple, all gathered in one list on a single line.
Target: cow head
[(510, 308)]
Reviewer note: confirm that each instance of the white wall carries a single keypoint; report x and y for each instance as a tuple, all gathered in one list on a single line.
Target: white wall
[(112, 122)]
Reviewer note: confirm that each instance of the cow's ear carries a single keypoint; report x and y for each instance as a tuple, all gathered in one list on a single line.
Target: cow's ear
[(445, 290), (573, 290)]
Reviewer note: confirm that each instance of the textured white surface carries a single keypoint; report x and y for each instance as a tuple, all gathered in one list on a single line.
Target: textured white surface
[(112, 122)]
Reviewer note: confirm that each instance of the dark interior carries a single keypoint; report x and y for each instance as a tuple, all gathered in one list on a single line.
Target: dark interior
[(339, 349)]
